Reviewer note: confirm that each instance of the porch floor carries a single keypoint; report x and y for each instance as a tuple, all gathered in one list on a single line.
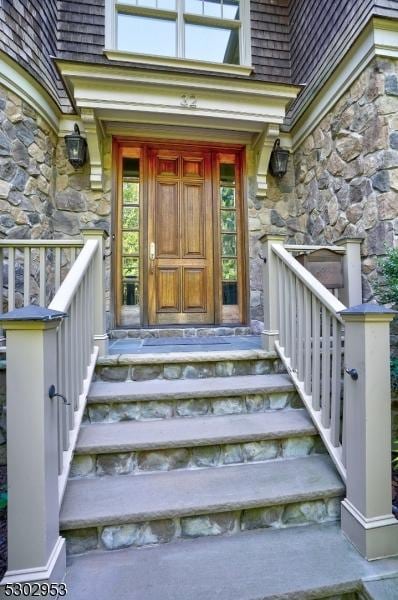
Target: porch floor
[(183, 344)]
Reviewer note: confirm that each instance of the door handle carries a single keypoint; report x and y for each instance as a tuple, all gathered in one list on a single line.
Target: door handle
[(152, 256)]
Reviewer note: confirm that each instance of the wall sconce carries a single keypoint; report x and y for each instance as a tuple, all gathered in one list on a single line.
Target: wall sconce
[(279, 160), (76, 148)]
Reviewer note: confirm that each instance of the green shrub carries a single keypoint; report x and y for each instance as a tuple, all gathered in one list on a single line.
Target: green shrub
[(387, 289)]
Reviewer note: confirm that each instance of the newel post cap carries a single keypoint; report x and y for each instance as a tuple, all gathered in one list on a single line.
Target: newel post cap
[(94, 232), (272, 237), (368, 312), (31, 316)]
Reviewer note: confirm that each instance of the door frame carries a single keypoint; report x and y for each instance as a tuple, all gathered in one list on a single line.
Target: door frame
[(138, 148)]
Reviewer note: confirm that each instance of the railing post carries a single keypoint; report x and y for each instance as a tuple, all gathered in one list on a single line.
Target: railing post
[(270, 286), (352, 292), (36, 552), (367, 518), (100, 335)]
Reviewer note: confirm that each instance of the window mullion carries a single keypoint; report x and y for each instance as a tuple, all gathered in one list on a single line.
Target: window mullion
[(180, 29)]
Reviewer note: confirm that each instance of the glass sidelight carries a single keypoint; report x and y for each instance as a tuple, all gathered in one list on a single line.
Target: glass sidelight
[(130, 234), (229, 235)]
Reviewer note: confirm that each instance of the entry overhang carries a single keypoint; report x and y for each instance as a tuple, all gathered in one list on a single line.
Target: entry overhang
[(103, 93)]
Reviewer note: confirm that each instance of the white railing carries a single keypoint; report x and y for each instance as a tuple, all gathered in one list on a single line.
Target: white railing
[(339, 361), (51, 355), (311, 347), (33, 270), (76, 353)]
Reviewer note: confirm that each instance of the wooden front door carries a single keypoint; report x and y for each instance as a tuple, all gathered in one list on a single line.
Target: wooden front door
[(180, 237)]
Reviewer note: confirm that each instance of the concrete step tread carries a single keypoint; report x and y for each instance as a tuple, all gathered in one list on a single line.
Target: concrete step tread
[(297, 563), (199, 431), (128, 499), (184, 357), (160, 389)]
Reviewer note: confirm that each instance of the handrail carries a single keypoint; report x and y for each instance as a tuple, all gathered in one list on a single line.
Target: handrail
[(310, 248), (66, 292), (41, 243), (322, 293)]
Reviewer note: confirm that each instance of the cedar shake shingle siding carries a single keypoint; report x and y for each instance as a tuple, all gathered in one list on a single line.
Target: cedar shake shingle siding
[(28, 34), (320, 33), (270, 40), (81, 30)]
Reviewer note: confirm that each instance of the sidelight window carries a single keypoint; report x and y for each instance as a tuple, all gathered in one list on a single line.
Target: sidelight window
[(130, 233)]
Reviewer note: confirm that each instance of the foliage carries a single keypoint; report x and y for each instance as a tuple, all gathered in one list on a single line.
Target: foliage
[(3, 500), (387, 290)]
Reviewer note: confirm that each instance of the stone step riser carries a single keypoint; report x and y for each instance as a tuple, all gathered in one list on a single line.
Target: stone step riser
[(138, 462), (191, 407), (114, 537), (187, 332), (106, 371)]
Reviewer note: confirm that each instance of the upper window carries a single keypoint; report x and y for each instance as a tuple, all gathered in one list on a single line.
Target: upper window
[(200, 30)]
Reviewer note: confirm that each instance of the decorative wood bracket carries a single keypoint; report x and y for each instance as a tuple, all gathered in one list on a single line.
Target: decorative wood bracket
[(262, 153), (94, 138)]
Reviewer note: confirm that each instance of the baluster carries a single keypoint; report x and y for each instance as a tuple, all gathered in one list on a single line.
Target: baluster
[(300, 329), (316, 366), (60, 404), (75, 364), (72, 257), (26, 277), (80, 333), (307, 341), (11, 279), (336, 385), (325, 405), (42, 288), (293, 313), (286, 296), (57, 276), (281, 310)]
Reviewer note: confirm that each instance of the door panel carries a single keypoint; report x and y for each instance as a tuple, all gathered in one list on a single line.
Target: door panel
[(167, 220), (180, 230), (194, 212), (168, 299), (194, 297)]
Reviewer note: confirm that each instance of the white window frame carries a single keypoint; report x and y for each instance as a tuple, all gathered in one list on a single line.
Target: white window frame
[(113, 7)]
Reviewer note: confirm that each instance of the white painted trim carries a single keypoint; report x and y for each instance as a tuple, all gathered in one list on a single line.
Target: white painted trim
[(147, 130), (379, 38), (370, 523), (53, 571), (23, 85), (182, 63)]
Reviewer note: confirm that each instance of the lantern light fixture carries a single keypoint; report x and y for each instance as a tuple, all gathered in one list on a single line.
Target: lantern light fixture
[(279, 160), (76, 147)]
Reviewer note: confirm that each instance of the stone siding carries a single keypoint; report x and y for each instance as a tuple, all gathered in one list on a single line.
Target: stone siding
[(27, 152), (343, 179)]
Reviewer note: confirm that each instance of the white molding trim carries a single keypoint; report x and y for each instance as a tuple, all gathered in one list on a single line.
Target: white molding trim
[(23, 85), (378, 38), (53, 571), (180, 63), (94, 136), (262, 154)]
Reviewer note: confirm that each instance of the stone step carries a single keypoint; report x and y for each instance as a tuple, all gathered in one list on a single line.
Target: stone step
[(157, 399), (125, 332), (115, 512), (186, 365), (306, 564), (136, 447)]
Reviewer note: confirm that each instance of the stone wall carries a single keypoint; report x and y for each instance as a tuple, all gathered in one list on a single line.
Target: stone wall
[(27, 150), (346, 173)]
